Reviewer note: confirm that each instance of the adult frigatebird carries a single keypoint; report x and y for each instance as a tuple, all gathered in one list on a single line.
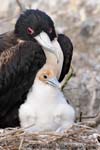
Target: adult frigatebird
[(22, 54)]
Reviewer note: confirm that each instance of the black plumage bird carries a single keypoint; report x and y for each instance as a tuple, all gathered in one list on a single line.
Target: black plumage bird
[(21, 56)]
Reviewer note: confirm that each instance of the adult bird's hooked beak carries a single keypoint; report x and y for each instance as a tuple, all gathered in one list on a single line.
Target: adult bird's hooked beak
[(53, 82), (44, 40)]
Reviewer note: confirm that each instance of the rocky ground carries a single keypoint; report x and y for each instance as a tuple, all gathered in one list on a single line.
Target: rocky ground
[(78, 19)]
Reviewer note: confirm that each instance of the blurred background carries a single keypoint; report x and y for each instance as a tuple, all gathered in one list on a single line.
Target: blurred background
[(80, 21)]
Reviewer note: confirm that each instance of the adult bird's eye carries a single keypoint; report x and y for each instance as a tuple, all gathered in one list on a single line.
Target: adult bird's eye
[(50, 30), (45, 76), (30, 30)]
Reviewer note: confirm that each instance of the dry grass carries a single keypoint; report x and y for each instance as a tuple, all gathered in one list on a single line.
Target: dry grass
[(78, 137)]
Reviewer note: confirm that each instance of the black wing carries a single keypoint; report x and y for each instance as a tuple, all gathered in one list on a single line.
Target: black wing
[(67, 49), (18, 68), (7, 40)]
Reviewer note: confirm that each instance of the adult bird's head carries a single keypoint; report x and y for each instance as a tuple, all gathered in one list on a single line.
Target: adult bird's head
[(35, 24)]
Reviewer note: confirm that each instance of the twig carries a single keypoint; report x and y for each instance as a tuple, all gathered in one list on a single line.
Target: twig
[(80, 117), (93, 122), (89, 117), (21, 143), (21, 6), (67, 78)]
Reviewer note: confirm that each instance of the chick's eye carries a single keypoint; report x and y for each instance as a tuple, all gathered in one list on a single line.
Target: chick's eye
[(45, 77)]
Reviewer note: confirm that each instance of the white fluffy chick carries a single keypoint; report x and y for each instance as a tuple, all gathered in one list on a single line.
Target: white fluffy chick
[(46, 108)]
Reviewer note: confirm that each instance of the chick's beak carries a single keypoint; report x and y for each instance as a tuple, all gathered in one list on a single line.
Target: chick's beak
[(44, 40), (53, 82)]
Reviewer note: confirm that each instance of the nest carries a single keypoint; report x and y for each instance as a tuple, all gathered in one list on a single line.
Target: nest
[(77, 137)]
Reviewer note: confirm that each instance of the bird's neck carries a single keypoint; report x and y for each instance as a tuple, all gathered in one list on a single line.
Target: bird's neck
[(52, 60)]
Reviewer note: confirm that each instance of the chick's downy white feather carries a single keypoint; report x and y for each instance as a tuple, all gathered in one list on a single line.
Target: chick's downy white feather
[(46, 108)]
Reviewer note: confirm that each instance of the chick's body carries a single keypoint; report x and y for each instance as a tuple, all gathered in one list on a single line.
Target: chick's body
[(46, 109)]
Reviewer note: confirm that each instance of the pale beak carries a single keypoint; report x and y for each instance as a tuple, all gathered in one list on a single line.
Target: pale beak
[(53, 82), (44, 40)]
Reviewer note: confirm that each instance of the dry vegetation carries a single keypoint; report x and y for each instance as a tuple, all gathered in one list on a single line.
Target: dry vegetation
[(78, 137)]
